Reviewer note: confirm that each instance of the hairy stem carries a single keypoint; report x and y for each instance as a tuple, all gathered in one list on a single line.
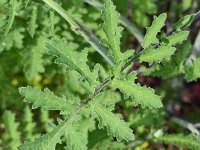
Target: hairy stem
[(98, 90), (87, 101)]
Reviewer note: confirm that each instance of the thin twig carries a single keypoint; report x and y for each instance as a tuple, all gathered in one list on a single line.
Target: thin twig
[(181, 122), (186, 125), (134, 144), (197, 125), (87, 101), (197, 16)]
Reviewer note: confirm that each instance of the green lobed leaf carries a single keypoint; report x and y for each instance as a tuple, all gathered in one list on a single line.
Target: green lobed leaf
[(157, 55), (46, 99), (124, 21), (66, 54), (175, 65), (112, 30), (152, 31), (140, 94), (193, 70), (184, 22), (115, 125), (178, 37)]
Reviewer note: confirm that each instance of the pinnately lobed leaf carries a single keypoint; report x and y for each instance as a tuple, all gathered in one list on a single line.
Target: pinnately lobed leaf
[(173, 68), (45, 99), (184, 22), (152, 31), (144, 96), (112, 30), (157, 55), (115, 125), (66, 54), (178, 38)]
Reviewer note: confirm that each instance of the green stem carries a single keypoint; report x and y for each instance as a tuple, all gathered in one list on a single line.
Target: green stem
[(63, 13)]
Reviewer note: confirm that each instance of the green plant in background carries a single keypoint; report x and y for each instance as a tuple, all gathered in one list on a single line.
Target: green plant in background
[(80, 88), (141, 10)]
